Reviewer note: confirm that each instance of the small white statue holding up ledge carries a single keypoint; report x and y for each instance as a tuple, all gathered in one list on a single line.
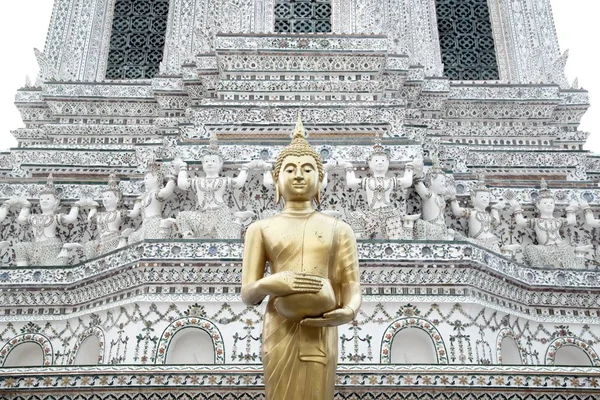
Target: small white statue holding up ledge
[(481, 222), (433, 191), (552, 250), (213, 218), (108, 222), (46, 245), (382, 216), (150, 205)]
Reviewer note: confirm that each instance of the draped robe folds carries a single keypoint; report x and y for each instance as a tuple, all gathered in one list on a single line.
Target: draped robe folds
[(300, 361)]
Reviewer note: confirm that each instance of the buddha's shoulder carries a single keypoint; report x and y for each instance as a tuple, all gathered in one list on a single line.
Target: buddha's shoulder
[(332, 221)]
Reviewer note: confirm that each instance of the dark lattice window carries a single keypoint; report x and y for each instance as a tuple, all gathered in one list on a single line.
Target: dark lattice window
[(466, 40), (303, 16), (138, 38)]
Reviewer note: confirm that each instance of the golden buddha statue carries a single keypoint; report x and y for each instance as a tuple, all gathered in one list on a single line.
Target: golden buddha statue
[(314, 282)]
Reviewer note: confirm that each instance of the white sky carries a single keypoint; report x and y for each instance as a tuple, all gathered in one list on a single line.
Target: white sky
[(24, 23)]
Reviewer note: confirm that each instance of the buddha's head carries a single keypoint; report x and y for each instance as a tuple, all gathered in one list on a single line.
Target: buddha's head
[(49, 200), (298, 172)]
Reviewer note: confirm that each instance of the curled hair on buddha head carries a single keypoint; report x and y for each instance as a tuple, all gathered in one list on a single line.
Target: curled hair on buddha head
[(434, 171), (298, 147), (378, 149)]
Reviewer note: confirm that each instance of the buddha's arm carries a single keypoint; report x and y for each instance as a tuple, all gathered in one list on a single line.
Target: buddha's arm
[(351, 293), (349, 278), (255, 286), (253, 266)]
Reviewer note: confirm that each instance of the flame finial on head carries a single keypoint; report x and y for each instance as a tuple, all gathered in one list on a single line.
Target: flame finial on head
[(299, 131)]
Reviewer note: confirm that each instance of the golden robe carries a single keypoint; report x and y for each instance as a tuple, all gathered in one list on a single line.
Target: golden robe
[(300, 361)]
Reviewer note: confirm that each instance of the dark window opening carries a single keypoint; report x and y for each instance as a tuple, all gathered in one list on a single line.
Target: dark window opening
[(138, 39), (303, 16), (466, 40)]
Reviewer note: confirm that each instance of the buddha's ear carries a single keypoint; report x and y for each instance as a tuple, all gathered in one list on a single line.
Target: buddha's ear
[(277, 195), (318, 195)]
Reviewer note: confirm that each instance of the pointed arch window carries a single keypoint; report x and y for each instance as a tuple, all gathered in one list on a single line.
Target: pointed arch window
[(137, 39), (466, 40), (303, 16)]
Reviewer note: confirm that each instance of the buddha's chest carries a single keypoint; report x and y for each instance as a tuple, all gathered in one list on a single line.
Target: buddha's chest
[(301, 245)]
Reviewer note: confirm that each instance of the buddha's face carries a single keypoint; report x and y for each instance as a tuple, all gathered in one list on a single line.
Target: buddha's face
[(48, 202), (212, 163), (481, 200), (298, 178), (110, 200), (150, 181), (546, 205), (379, 164)]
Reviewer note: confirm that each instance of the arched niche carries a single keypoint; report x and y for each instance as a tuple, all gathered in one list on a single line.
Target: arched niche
[(28, 354), (191, 346), (572, 356), (427, 343), (88, 351), (171, 333), (413, 346), (571, 351), (509, 352), (15, 353)]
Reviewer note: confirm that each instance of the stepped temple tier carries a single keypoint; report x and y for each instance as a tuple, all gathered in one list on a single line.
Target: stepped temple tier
[(151, 248)]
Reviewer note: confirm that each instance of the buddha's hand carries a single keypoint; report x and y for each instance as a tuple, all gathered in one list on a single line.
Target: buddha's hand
[(289, 282), (339, 316)]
